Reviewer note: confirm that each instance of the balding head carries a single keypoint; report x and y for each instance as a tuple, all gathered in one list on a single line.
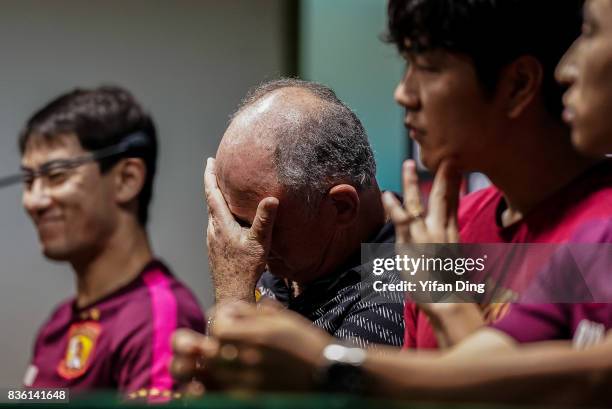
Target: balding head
[(300, 136), (298, 142), (246, 155)]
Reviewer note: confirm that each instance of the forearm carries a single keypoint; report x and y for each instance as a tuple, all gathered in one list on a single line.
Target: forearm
[(541, 373)]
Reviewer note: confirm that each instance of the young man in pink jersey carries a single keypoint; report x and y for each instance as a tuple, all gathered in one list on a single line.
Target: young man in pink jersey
[(490, 103), (88, 163)]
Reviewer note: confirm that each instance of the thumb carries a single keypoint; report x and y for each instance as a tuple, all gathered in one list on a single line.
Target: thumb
[(261, 230)]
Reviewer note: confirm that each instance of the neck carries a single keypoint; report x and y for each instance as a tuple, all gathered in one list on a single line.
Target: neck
[(119, 262), (535, 165)]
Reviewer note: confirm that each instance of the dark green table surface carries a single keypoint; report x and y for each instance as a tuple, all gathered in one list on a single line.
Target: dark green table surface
[(264, 401)]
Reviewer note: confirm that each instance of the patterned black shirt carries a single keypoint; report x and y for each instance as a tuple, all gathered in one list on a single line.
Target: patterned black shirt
[(344, 304)]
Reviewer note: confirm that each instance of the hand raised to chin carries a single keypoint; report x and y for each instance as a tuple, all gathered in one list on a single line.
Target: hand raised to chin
[(414, 225), (236, 254)]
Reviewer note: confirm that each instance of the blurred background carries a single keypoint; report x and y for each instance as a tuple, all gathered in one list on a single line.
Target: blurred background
[(189, 62)]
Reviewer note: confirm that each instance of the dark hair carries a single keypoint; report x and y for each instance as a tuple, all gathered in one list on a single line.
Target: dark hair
[(492, 32), (327, 146), (99, 118)]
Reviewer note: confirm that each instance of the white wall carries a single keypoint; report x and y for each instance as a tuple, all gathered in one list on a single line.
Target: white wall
[(188, 62)]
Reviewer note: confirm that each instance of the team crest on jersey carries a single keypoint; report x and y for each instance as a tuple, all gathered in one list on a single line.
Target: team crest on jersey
[(82, 339)]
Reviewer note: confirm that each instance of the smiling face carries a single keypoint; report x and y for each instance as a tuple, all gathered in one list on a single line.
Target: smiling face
[(71, 208), (587, 69), (447, 111)]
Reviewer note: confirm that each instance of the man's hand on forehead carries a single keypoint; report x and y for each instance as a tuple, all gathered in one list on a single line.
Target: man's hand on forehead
[(237, 254)]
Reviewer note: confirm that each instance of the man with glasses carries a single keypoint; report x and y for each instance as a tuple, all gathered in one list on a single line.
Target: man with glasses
[(88, 164)]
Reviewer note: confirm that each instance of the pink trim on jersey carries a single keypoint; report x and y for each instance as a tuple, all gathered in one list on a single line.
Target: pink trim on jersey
[(163, 304)]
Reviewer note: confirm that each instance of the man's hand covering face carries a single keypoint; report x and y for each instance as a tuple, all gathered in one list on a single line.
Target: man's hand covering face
[(237, 255)]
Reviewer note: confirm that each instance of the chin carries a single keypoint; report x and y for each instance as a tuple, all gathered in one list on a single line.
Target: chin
[(55, 251), (431, 164), (592, 145), (55, 255)]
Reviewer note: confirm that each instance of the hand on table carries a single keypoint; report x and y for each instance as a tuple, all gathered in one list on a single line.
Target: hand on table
[(254, 349), (237, 255)]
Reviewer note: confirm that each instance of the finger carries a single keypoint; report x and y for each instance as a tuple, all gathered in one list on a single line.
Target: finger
[(412, 203), (184, 368), (194, 389), (250, 331), (190, 350), (186, 342), (444, 197), (399, 217), (228, 314), (394, 209), (217, 206), (263, 223), (412, 193), (452, 230)]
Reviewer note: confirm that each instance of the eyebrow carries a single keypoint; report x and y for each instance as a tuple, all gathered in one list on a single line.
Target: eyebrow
[(49, 164)]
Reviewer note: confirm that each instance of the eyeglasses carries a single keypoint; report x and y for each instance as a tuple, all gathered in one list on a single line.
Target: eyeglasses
[(56, 171)]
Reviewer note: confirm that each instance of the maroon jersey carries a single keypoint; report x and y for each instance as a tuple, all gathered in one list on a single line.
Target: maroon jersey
[(532, 322), (555, 220), (121, 342)]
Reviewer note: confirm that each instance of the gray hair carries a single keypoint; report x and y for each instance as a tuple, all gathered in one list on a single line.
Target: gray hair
[(327, 147)]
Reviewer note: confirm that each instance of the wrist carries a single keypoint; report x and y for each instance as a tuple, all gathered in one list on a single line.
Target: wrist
[(236, 290), (341, 369), (226, 296)]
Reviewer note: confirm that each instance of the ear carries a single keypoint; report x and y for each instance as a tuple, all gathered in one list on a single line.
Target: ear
[(521, 82), (345, 201), (129, 176)]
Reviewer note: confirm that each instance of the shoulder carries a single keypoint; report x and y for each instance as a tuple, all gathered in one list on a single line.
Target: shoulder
[(473, 203), (591, 194), (170, 300), (579, 212), (60, 314), (159, 299), (598, 230)]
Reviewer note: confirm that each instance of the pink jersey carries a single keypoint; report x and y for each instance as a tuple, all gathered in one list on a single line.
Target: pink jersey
[(121, 342), (588, 198), (531, 321)]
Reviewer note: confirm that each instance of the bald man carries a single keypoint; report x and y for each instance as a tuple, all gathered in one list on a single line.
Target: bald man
[(292, 194)]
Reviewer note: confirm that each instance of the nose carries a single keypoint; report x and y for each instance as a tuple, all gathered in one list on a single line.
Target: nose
[(567, 69), (36, 197), (406, 92)]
